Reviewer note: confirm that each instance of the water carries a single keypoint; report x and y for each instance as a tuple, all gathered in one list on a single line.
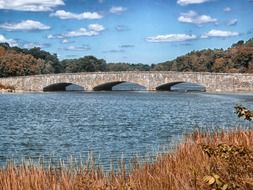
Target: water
[(109, 124)]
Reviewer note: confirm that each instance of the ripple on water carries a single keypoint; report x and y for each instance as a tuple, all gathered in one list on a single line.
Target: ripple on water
[(109, 124)]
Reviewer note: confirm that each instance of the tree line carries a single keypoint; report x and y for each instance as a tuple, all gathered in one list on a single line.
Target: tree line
[(16, 61), (236, 59)]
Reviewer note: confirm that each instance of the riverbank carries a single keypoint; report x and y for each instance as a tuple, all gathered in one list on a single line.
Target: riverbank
[(204, 161), (4, 88)]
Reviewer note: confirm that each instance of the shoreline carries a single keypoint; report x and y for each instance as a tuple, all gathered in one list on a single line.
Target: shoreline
[(6, 89), (203, 161)]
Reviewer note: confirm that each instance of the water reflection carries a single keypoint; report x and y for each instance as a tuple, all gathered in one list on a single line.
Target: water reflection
[(181, 87), (188, 87)]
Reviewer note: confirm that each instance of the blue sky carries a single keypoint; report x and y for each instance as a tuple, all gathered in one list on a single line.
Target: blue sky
[(142, 31)]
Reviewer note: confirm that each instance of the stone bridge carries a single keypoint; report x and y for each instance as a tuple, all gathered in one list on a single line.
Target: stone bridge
[(213, 82)]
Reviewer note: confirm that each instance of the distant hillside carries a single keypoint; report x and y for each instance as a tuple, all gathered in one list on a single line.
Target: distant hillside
[(15, 61), (238, 58)]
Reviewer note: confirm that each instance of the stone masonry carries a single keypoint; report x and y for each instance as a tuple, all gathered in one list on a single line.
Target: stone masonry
[(213, 82)]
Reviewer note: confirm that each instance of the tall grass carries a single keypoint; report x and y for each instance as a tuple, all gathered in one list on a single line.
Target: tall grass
[(222, 160)]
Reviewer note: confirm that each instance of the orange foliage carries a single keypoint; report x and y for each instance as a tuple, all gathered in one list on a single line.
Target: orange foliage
[(238, 58), (2, 51), (218, 64), (18, 64)]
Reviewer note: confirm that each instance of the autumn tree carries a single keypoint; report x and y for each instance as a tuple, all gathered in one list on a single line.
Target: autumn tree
[(18, 64), (238, 58)]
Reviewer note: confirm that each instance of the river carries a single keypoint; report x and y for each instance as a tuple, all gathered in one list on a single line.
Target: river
[(111, 125)]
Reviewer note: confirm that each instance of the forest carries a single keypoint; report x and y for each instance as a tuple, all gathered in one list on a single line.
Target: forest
[(236, 59), (16, 61)]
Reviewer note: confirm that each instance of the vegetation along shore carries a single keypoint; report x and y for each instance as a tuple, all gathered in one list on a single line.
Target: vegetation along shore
[(4, 88), (205, 160), (221, 161)]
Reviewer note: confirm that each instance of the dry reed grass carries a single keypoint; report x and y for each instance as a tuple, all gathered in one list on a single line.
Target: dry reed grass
[(221, 160)]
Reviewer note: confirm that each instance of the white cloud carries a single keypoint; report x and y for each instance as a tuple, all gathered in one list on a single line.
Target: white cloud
[(75, 48), (11, 42), (194, 18), (30, 5), (93, 30), (80, 32), (35, 44), (56, 36), (227, 9), (76, 33), (50, 36), (117, 10), (96, 27), (30, 45), (24, 25), (65, 41), (232, 22), (220, 34), (171, 38), (187, 2), (82, 16)]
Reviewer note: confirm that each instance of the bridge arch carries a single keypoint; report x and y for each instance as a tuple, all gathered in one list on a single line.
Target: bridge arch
[(63, 86), (109, 86), (181, 86)]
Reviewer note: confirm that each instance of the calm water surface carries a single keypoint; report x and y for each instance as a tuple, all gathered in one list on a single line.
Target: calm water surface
[(109, 124)]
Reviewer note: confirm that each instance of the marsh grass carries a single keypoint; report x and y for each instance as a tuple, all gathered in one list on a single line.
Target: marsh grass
[(218, 160)]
